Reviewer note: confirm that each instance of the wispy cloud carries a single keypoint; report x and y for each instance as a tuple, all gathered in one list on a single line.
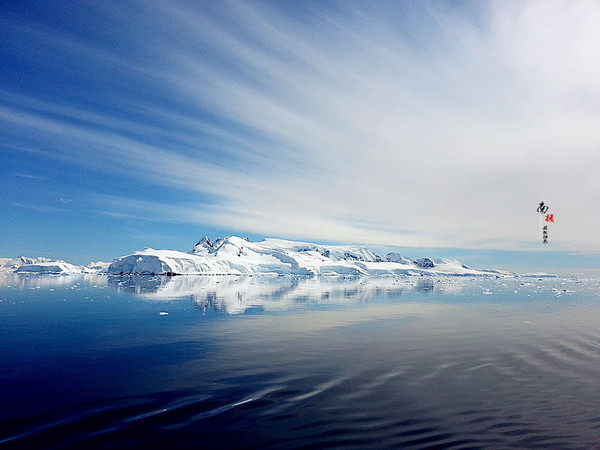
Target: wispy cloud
[(42, 208), (361, 123), (31, 177)]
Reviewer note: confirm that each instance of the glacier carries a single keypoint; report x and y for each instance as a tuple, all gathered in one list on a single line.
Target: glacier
[(233, 255)]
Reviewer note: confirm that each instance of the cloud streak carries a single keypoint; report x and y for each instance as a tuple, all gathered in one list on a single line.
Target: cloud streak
[(42, 208), (31, 177), (376, 124)]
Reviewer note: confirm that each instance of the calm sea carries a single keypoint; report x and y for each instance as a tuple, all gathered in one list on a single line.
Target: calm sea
[(255, 362)]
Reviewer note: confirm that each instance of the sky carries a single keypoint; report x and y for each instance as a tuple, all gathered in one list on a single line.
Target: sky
[(430, 128)]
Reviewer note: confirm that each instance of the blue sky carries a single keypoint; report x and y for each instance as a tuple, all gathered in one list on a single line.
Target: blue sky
[(433, 128)]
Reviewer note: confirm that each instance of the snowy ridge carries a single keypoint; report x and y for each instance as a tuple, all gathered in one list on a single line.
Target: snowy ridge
[(237, 256)]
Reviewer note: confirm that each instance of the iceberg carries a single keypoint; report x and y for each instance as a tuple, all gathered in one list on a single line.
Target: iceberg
[(11, 264), (233, 255), (51, 267)]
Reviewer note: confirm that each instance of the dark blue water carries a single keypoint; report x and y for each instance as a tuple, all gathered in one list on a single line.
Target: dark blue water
[(226, 362)]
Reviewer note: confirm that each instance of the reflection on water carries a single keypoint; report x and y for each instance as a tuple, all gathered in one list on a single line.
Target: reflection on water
[(235, 295), (37, 281), (239, 294)]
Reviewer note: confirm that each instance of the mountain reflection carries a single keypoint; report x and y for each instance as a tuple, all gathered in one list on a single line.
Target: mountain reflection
[(239, 295), (49, 281), (425, 285)]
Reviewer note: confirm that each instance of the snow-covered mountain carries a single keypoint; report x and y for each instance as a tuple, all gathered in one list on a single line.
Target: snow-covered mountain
[(234, 256)]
